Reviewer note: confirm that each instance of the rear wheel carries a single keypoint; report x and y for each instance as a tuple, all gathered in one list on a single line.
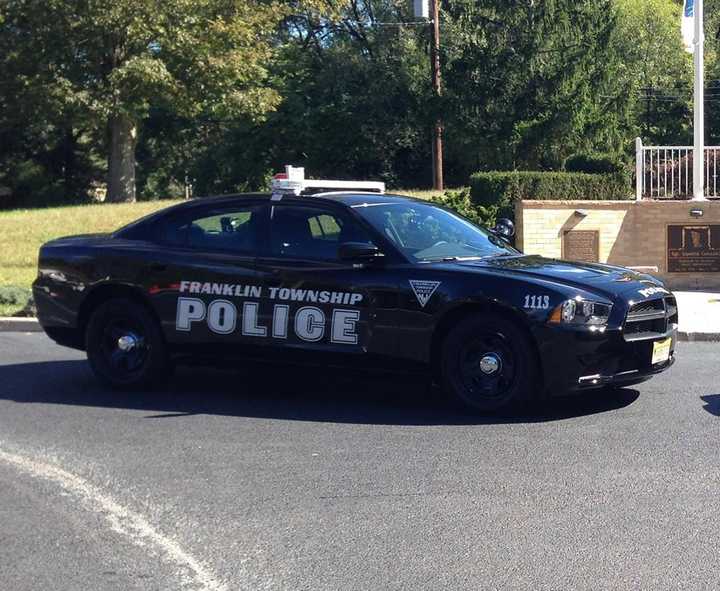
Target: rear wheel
[(488, 364), (125, 346)]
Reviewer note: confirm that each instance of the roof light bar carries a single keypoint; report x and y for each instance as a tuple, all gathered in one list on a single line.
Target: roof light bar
[(293, 181)]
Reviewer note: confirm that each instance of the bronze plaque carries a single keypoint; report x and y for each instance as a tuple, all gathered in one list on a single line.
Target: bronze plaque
[(581, 245), (693, 249)]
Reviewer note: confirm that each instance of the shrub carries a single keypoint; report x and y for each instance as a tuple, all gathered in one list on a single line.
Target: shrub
[(502, 189), (12, 298), (11, 295), (594, 163), (461, 202)]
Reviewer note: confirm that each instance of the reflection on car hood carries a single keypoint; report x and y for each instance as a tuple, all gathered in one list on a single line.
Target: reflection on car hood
[(606, 278)]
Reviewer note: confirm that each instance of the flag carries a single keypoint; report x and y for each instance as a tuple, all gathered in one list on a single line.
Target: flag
[(688, 24)]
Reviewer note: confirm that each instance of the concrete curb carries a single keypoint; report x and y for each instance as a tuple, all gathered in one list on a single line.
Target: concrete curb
[(19, 325), (699, 337)]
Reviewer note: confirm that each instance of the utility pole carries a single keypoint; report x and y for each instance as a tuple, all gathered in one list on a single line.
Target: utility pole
[(437, 88)]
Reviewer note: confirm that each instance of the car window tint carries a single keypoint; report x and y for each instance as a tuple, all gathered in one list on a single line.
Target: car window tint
[(233, 229), (308, 232)]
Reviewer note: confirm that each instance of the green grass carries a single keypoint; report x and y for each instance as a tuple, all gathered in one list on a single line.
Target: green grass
[(22, 232), (419, 193)]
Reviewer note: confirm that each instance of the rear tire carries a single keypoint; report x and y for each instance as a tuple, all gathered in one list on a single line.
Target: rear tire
[(125, 346), (488, 364)]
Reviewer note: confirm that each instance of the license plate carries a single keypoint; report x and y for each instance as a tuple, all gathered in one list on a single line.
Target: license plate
[(661, 351)]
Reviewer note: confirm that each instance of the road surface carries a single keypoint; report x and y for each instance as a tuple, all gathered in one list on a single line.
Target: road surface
[(304, 478)]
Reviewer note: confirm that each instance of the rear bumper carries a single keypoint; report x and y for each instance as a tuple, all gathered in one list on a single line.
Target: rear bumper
[(57, 318), (574, 360)]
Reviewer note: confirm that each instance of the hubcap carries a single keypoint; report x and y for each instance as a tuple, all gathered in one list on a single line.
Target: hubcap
[(490, 364), (128, 342), (124, 346)]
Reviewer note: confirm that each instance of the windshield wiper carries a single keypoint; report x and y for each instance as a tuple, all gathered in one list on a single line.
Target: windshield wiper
[(500, 254), (450, 259)]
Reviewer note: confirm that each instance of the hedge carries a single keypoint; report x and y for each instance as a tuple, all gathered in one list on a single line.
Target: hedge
[(502, 189), (594, 163)]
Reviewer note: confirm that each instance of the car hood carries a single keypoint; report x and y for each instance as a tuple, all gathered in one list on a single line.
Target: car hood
[(609, 279)]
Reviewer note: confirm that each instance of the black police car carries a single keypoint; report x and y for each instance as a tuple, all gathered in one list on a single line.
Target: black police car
[(352, 276)]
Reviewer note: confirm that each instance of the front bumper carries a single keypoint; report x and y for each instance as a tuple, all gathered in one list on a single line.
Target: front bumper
[(574, 360), (624, 378)]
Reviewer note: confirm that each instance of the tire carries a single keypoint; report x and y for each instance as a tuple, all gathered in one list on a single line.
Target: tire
[(489, 364), (141, 360)]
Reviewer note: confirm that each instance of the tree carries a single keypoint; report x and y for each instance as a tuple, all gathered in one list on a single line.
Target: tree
[(109, 63), (655, 74), (354, 103), (524, 79)]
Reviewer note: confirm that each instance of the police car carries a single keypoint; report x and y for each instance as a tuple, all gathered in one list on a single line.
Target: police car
[(340, 272)]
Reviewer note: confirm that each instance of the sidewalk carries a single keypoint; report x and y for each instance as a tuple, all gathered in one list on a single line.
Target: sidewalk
[(699, 313)]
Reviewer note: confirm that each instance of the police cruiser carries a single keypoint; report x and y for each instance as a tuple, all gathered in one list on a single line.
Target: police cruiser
[(343, 273)]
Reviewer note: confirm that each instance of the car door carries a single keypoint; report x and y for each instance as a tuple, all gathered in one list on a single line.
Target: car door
[(320, 302), (205, 284)]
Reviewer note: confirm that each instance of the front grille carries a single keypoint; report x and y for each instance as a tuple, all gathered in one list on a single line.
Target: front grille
[(650, 319)]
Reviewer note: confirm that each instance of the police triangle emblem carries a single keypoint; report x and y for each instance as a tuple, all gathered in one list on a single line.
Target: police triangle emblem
[(424, 290)]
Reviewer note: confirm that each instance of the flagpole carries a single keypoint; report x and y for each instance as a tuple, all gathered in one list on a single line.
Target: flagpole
[(699, 105)]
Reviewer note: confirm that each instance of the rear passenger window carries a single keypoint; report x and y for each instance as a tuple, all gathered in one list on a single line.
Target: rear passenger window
[(234, 229)]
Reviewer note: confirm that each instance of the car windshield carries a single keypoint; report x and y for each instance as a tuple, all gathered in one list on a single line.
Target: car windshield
[(425, 232)]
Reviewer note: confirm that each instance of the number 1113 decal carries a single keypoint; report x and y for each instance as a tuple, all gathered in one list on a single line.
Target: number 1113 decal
[(537, 302)]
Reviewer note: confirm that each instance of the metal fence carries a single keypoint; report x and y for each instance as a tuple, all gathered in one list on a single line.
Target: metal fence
[(666, 172)]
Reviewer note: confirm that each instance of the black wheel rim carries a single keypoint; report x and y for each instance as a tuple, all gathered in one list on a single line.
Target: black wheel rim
[(488, 367), (124, 347)]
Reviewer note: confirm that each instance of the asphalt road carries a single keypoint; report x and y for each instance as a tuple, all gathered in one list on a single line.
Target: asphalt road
[(290, 478)]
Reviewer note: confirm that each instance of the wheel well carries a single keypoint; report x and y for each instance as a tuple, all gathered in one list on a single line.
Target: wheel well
[(456, 315), (107, 292)]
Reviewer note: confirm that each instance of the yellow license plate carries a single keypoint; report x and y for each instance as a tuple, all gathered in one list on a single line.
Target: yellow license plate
[(661, 351)]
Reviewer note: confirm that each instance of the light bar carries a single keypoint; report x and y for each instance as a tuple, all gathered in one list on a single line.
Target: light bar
[(293, 181)]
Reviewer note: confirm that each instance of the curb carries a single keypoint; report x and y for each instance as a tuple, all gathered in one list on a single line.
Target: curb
[(19, 325), (699, 337)]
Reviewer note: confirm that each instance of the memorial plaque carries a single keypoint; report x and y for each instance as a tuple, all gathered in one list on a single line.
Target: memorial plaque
[(693, 249), (581, 245)]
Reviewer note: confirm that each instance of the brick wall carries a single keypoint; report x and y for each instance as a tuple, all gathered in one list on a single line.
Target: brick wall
[(632, 233)]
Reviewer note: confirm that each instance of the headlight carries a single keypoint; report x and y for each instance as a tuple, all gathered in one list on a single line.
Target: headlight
[(581, 313)]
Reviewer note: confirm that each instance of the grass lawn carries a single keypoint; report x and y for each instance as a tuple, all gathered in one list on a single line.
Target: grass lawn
[(23, 231), (419, 193)]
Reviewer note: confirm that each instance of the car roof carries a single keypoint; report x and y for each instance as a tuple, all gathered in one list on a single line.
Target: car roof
[(346, 198)]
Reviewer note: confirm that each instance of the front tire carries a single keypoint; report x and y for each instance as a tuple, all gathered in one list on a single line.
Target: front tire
[(488, 364), (125, 346)]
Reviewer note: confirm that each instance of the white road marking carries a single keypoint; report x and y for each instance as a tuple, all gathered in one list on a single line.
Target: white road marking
[(122, 520)]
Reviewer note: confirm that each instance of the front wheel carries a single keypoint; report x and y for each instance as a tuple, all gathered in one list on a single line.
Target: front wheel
[(125, 346), (488, 363)]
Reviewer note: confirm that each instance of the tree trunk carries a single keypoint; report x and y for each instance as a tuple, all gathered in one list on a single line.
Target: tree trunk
[(121, 163), (71, 182)]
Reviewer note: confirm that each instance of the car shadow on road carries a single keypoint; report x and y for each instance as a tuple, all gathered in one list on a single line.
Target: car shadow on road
[(712, 404), (285, 393)]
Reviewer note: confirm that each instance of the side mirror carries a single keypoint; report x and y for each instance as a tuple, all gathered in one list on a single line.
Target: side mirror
[(358, 252), (505, 228)]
